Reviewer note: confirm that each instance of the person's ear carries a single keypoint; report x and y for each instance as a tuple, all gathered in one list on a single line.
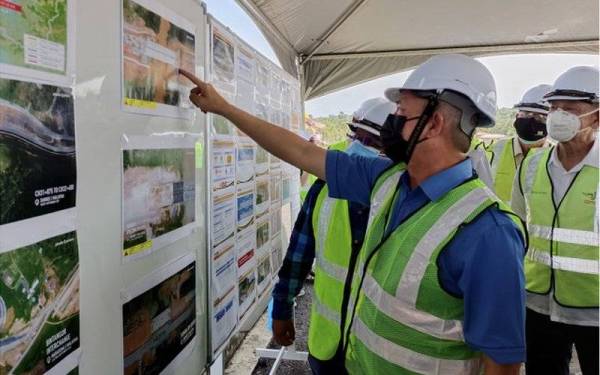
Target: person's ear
[(436, 125), (596, 117)]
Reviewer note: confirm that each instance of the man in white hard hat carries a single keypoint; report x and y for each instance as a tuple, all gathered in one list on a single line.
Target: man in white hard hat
[(530, 125), (331, 230), (439, 284), (556, 190)]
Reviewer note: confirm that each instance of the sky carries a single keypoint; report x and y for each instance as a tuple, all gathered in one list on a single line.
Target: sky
[(514, 74)]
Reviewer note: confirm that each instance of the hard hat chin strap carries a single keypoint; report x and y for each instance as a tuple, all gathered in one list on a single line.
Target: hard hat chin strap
[(413, 140)]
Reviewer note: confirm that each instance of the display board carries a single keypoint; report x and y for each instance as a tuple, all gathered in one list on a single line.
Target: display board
[(247, 184), (136, 233), (102, 188)]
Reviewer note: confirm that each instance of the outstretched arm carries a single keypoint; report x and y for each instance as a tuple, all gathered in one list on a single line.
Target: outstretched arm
[(278, 141)]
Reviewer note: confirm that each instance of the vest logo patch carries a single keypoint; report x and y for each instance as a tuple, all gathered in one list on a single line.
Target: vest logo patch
[(589, 198)]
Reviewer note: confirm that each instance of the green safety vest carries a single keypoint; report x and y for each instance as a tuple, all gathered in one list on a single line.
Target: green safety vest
[(404, 321), (476, 143), (563, 236), (333, 250), (503, 166)]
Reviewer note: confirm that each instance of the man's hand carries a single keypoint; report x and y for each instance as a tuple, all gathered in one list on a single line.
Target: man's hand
[(284, 332), (493, 368), (278, 141), (204, 95)]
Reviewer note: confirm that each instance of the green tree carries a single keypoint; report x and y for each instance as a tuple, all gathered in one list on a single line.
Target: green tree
[(336, 127)]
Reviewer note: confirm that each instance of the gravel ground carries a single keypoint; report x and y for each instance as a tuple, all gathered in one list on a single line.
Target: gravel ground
[(302, 317)]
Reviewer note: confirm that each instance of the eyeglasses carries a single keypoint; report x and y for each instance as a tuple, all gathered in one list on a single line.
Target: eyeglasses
[(368, 140), (537, 116)]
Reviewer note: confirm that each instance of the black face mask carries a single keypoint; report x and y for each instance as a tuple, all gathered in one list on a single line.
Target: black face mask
[(529, 129), (394, 145)]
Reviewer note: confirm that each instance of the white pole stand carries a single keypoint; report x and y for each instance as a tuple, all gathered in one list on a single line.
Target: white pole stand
[(287, 353)]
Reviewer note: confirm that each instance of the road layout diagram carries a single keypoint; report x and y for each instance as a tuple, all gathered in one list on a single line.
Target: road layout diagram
[(39, 305), (33, 34)]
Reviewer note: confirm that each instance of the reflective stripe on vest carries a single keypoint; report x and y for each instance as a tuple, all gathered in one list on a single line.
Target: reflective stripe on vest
[(563, 254), (574, 236), (333, 270), (333, 249), (503, 168), (402, 311), (326, 312), (385, 323), (409, 359), (590, 267)]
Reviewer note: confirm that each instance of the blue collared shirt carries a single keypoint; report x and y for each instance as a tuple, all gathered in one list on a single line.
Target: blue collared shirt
[(482, 264)]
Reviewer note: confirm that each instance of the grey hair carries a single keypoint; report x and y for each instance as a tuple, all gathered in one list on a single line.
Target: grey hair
[(453, 115)]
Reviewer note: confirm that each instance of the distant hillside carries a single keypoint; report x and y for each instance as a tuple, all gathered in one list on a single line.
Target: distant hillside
[(336, 129)]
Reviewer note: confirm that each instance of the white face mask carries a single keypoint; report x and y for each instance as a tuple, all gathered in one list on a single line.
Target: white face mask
[(564, 126), (525, 142)]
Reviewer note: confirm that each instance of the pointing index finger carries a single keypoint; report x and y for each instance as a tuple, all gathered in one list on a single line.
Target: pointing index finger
[(195, 80)]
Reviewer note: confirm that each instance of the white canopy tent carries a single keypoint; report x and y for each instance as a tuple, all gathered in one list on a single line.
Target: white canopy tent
[(339, 43)]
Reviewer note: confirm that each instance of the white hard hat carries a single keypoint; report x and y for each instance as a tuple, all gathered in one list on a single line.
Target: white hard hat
[(577, 83), (458, 73), (367, 104), (374, 112), (533, 100)]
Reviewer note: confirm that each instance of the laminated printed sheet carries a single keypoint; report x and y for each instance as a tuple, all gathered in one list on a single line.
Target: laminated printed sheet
[(38, 171), (156, 42), (223, 60), (263, 274), (245, 209), (276, 255), (224, 269), (263, 236), (245, 166), (224, 318), (223, 166), (159, 319), (223, 220), (39, 307), (262, 196), (245, 79), (246, 262), (261, 167), (246, 291), (37, 39), (159, 191)]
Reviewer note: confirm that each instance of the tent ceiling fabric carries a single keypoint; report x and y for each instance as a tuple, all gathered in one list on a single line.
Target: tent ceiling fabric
[(344, 42)]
